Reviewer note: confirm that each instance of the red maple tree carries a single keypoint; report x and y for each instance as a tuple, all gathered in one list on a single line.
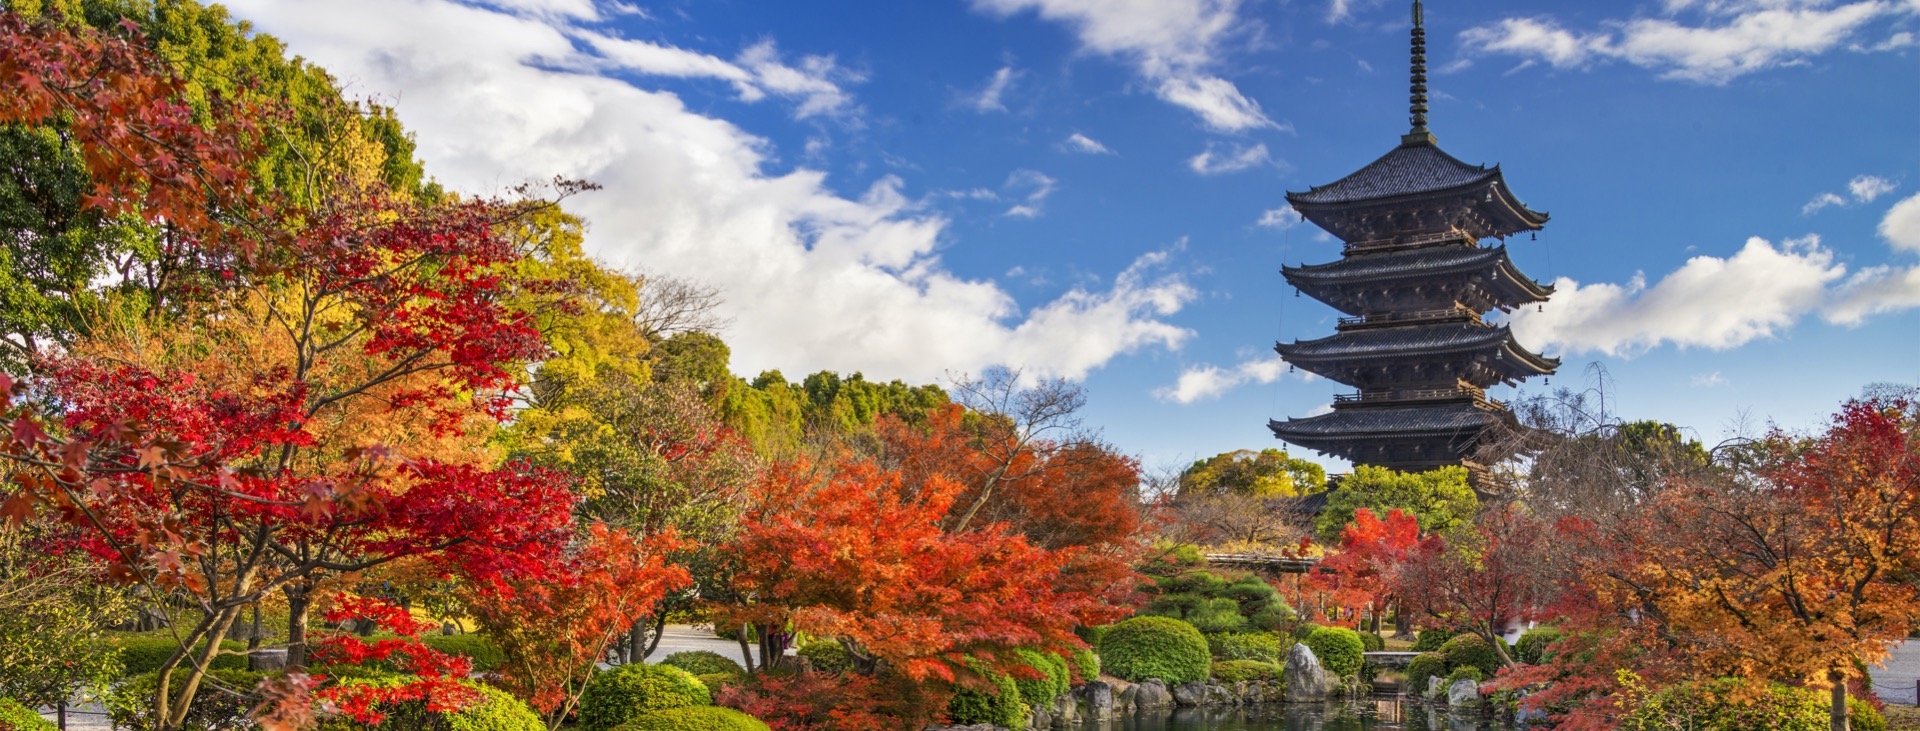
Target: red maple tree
[(1360, 574)]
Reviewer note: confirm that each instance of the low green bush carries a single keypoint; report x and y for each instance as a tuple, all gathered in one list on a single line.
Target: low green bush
[(145, 652), (629, 691), (486, 655), (1469, 649), (1532, 646), (1262, 646), (1092, 635), (1220, 602), (1086, 665), (698, 718), (497, 710), (1863, 716), (704, 662), (827, 656), (1338, 648), (1465, 672), (1236, 671), (1425, 665), (716, 682), (1053, 683), (1431, 640), (1155, 647), (16, 717), (999, 706), (1373, 641), (1719, 705), (224, 698)]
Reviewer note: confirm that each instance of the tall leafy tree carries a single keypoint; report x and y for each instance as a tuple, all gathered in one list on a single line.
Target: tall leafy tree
[(1267, 473), (1440, 499)]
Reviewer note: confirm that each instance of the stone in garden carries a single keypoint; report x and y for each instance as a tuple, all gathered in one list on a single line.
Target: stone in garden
[(448, 628), (1435, 687), (1153, 695), (1306, 681), (1463, 693), (1127, 700), (1097, 701), (1041, 719), (1065, 710), (1187, 695), (1218, 695), (267, 660)]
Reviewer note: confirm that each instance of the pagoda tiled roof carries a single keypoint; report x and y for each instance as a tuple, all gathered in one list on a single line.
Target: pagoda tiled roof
[(1412, 340), (1406, 170), (1352, 423)]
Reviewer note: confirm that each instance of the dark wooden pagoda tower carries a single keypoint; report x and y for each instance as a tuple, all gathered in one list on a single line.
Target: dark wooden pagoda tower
[(1415, 280)]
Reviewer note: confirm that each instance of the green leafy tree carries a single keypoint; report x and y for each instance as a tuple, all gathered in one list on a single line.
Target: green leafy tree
[(1439, 499), (1267, 473), (54, 603)]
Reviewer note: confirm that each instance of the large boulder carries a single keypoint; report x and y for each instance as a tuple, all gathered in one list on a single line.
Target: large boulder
[(1463, 693), (1096, 701), (1307, 682), (1065, 710), (1152, 695), (1436, 687), (267, 660), (1219, 695), (1188, 695)]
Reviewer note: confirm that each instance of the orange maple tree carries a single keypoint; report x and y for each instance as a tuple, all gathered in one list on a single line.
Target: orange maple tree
[(1360, 573)]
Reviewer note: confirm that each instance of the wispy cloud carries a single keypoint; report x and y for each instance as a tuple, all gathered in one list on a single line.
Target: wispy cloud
[(1083, 144), (1710, 380), (1282, 218), (1215, 161), (1207, 381), (1032, 188), (1863, 189), (988, 98)]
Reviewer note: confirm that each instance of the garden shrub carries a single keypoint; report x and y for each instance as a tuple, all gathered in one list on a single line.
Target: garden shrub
[(1863, 716), (1000, 706), (1532, 646), (695, 718), (225, 697), (1215, 602), (717, 681), (1300, 631), (1465, 672), (1236, 671), (1338, 648), (1431, 640), (1155, 647), (145, 652), (1469, 649), (827, 656), (1086, 664), (1425, 665), (16, 717), (704, 662), (817, 702), (626, 692), (1092, 635), (1262, 646), (486, 655), (1373, 642), (1719, 706), (498, 710), (1040, 692)]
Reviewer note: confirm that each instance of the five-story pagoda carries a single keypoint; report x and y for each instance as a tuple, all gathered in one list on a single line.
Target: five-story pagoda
[(1415, 281)]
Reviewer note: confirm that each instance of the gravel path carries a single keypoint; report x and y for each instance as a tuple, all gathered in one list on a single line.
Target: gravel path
[(1895, 682)]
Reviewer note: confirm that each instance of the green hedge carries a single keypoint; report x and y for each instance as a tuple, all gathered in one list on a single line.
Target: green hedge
[(16, 717), (1000, 706), (145, 652), (697, 718), (1262, 646), (486, 655), (1040, 692), (629, 691), (1532, 647), (131, 704), (1339, 650), (827, 656), (1465, 672), (1373, 642), (1431, 640), (703, 662), (498, 710), (1425, 665), (1469, 649), (1235, 671), (1155, 647), (1215, 602), (1086, 664), (1712, 706)]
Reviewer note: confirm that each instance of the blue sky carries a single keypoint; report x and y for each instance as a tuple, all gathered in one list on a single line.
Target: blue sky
[(1094, 188)]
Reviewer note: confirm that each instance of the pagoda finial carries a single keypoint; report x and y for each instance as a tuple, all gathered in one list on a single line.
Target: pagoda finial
[(1419, 135)]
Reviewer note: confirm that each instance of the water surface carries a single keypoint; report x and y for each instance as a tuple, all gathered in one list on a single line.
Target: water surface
[(1376, 714)]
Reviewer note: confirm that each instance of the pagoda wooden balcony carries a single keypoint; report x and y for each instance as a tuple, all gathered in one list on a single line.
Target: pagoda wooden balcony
[(1417, 395), (1375, 246), (1456, 313)]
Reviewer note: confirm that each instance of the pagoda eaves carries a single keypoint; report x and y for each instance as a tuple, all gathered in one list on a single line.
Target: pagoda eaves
[(1480, 278)]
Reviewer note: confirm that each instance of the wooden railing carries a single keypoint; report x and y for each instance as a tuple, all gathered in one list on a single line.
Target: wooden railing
[(1386, 318), (1418, 394), (1407, 242), (1282, 564)]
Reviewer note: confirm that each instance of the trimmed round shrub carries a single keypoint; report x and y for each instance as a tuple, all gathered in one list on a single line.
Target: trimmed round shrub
[(1155, 647), (1715, 706), (1863, 716), (1373, 642), (1465, 672), (704, 662), (1000, 706), (1469, 649), (145, 652), (1301, 630), (827, 656), (1262, 646), (626, 692), (486, 655), (497, 710), (696, 718), (16, 717), (1237, 671), (1039, 692), (1339, 650), (1092, 635), (1086, 665), (1532, 646), (131, 704), (717, 682), (1425, 665), (1219, 614), (1431, 640)]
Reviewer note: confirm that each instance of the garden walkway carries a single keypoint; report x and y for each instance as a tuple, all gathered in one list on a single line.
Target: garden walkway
[(1895, 682)]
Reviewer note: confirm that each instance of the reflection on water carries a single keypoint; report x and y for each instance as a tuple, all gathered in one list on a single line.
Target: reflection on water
[(1377, 714)]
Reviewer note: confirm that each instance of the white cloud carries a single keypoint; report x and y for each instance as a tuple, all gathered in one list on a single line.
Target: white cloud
[(1901, 227), (1213, 161), (1173, 44), (1207, 381), (1729, 40), (1820, 202), (988, 100), (1077, 142), (1338, 10), (1866, 188), (1282, 218), (1710, 380), (756, 72), (814, 278), (1033, 187), (1716, 303)]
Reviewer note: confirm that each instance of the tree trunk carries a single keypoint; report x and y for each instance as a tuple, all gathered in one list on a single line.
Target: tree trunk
[(253, 639), (636, 635), (659, 629), (299, 605), (746, 651), (1837, 715)]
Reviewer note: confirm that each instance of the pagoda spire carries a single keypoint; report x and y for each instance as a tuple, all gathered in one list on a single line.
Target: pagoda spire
[(1419, 135)]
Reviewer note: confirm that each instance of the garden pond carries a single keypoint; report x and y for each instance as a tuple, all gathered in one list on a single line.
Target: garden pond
[(1382, 713)]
